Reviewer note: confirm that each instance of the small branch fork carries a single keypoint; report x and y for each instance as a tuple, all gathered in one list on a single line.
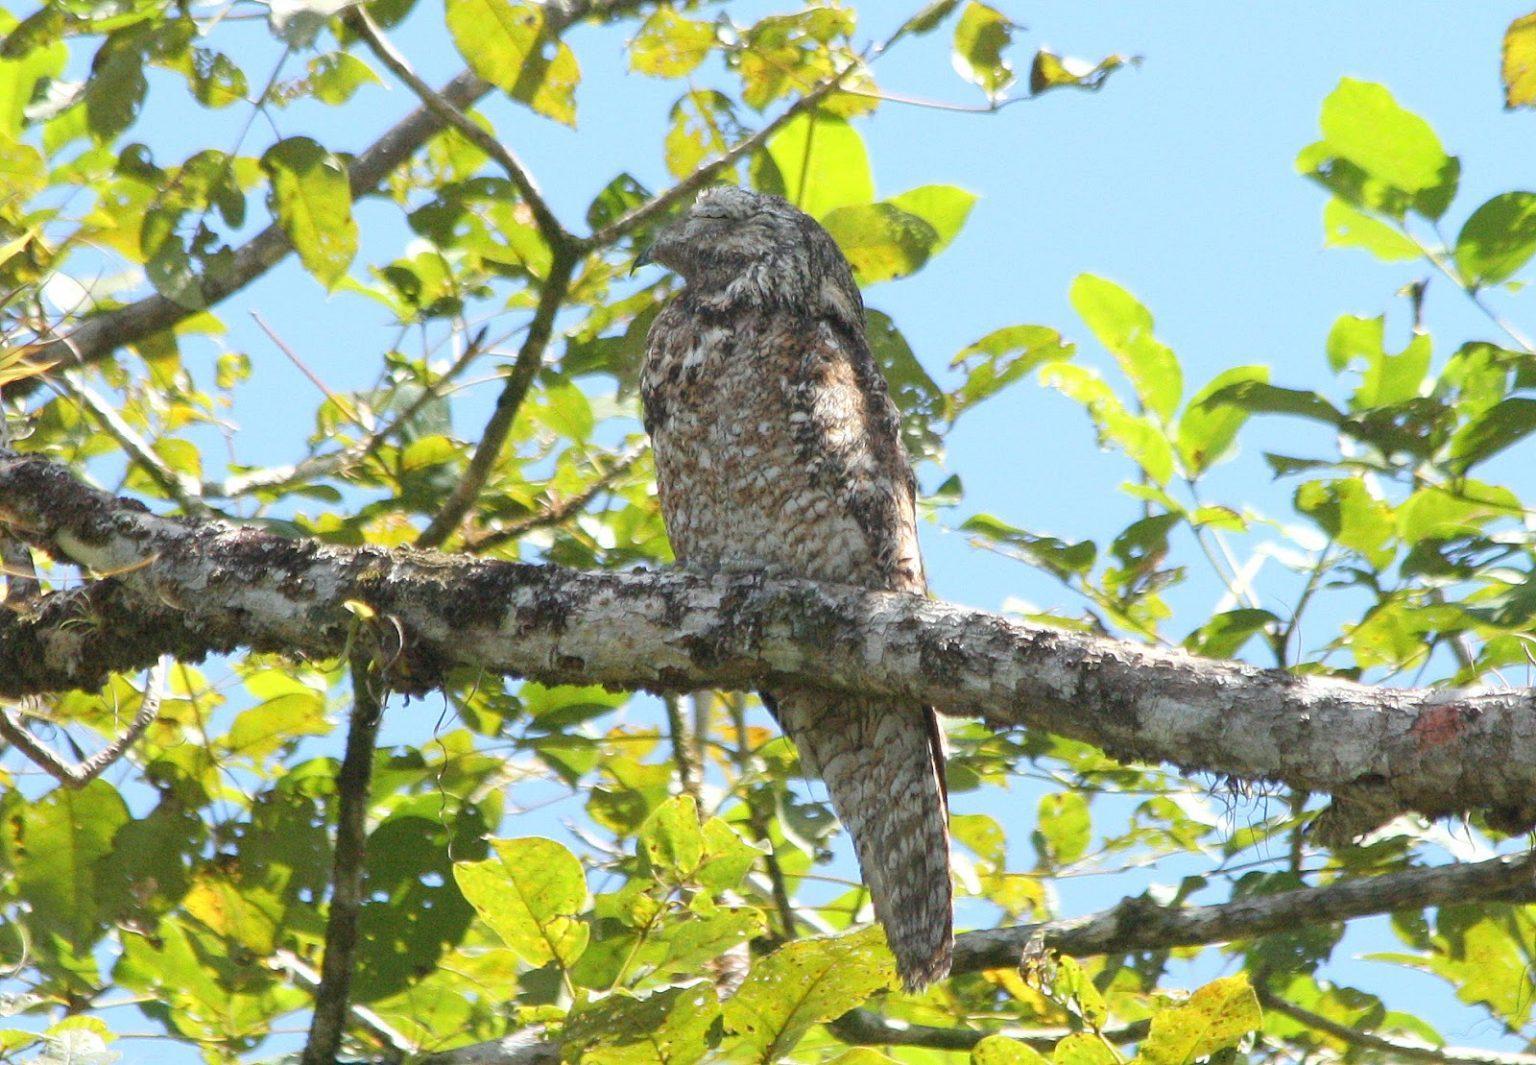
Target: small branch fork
[(78, 775)]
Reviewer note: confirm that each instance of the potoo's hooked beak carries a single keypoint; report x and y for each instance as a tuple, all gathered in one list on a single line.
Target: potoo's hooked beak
[(645, 258)]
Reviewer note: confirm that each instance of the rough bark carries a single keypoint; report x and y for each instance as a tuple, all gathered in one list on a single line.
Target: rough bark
[(193, 588)]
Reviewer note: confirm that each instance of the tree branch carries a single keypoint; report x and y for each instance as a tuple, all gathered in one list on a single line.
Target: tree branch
[(332, 996), (191, 588), (863, 1027), (499, 426), (81, 774), (1139, 925), (1396, 1049)]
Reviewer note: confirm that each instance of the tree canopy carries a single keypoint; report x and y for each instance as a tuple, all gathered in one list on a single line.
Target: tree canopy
[(203, 830)]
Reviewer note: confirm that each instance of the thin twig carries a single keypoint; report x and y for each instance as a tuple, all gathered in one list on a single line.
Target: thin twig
[(181, 487), (352, 792), (80, 774), (736, 704), (549, 226), (334, 462), (1396, 1049), (682, 749), (556, 513), (518, 380)]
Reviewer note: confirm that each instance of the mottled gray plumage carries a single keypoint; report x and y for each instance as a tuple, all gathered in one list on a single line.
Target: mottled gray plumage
[(778, 451)]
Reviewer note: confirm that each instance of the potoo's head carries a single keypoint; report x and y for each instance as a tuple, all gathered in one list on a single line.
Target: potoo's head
[(739, 246)]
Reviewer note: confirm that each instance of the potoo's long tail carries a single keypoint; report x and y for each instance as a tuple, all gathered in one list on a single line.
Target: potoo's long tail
[(883, 766)]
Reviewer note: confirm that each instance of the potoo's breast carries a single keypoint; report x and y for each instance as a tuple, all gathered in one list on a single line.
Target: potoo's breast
[(739, 463)]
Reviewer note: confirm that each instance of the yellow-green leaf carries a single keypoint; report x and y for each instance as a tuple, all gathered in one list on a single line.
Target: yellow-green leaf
[(530, 893), (1216, 1017), (1000, 1050), (669, 45), (981, 36), (1498, 239), (1519, 62), (509, 45), (313, 203), (1124, 327), (805, 983), (818, 163), (1362, 123), (1344, 226)]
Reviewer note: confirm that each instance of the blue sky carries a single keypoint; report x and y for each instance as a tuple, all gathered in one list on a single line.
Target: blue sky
[(1177, 181)]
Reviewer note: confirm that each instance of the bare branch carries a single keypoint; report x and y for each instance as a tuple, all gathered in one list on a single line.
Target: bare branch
[(81, 774), (191, 588), (353, 780), (863, 1027), (1396, 1049), (182, 488), (515, 389), (1140, 924)]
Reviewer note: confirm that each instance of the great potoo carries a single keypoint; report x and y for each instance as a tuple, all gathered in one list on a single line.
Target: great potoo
[(778, 451)]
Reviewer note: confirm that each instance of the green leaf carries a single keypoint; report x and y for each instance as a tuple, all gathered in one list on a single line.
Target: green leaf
[(1386, 157), (1057, 556), (917, 395), (1505, 423), (703, 125), (1345, 226), (1350, 515), (1363, 124), (1142, 439), (1225, 634), (1002, 357), (313, 203), (1498, 239), (1000, 1050), (1063, 828), (115, 90), (1051, 71), (1124, 327), (1259, 397), (1083, 1048), (675, 1026), (672, 839), (699, 939), (1072, 984), (336, 76), (981, 36), (944, 207), (881, 241), (1518, 62), (1216, 1017), (530, 894), (818, 162), (930, 16), (263, 730), (509, 44), (728, 856), (805, 983), (54, 846), (1206, 431), (669, 45)]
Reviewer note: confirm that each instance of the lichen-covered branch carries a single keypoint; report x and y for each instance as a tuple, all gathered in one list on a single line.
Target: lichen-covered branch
[(192, 588)]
